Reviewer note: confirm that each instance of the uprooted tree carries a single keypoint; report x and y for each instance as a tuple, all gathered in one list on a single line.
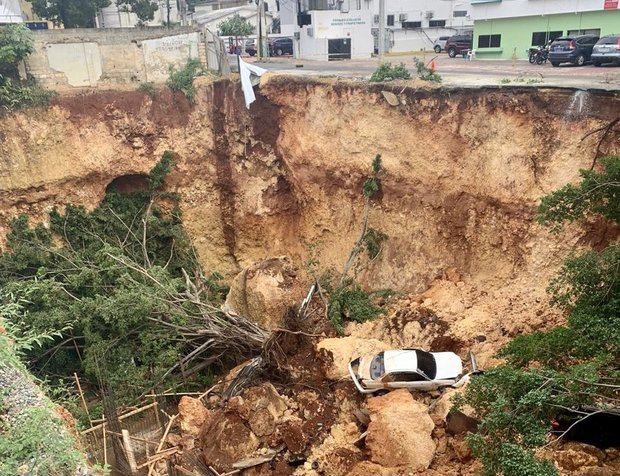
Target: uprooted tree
[(572, 368), (117, 295)]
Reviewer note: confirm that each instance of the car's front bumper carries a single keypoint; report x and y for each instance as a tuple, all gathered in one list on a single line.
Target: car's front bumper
[(353, 367)]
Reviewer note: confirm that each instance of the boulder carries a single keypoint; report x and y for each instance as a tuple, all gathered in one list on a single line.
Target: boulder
[(192, 416), (575, 456), (227, 439), (264, 292), (266, 408), (341, 350), (399, 433)]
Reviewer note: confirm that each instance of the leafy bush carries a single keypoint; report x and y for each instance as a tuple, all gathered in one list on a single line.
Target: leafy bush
[(148, 88), (425, 73), (183, 79), (568, 366), (351, 303), (389, 72), (16, 43)]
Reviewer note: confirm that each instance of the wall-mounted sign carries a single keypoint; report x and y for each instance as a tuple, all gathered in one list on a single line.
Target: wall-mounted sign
[(350, 21), (611, 4)]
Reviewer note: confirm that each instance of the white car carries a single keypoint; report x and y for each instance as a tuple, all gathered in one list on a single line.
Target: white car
[(414, 369), (440, 44)]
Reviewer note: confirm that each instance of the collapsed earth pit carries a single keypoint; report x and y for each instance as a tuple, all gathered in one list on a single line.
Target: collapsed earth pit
[(463, 171)]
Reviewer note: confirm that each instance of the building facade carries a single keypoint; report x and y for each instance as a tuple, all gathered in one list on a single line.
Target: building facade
[(117, 16), (414, 25), (507, 29)]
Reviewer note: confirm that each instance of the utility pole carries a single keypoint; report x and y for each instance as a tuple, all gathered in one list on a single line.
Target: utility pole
[(381, 29), (259, 17)]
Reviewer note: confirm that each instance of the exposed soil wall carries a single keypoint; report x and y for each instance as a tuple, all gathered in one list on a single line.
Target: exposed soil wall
[(464, 170)]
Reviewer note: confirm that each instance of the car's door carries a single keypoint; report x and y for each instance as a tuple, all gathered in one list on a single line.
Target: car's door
[(589, 45)]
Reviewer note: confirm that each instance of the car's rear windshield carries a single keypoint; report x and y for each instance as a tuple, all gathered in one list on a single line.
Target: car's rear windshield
[(377, 366), (427, 364), (608, 40)]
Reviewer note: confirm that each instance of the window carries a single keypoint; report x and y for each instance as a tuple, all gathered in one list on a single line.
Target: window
[(377, 366), (436, 23), (426, 363), (540, 38), (489, 41), (402, 377), (410, 25), (592, 31), (390, 20), (459, 13)]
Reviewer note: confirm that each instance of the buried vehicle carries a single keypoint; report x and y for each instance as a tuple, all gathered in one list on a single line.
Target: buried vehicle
[(414, 369)]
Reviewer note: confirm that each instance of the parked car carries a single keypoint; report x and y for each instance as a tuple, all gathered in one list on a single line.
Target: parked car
[(572, 49), (440, 44), (413, 369), (250, 47), (459, 45), (281, 46), (606, 50)]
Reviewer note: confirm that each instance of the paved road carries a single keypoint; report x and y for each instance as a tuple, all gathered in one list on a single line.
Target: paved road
[(456, 71)]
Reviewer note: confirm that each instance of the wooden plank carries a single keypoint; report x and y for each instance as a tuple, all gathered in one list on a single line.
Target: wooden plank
[(131, 457)]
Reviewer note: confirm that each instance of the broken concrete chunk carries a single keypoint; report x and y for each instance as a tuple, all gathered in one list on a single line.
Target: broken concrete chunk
[(391, 98)]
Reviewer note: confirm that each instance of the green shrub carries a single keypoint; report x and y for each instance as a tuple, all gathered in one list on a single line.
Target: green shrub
[(425, 73), (183, 79), (148, 88), (351, 303), (389, 72)]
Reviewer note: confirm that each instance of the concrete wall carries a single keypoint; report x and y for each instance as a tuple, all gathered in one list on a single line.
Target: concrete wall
[(95, 57)]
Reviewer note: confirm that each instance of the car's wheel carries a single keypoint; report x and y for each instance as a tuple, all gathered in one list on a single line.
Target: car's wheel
[(596, 63), (580, 60), (452, 52), (554, 64), (437, 49)]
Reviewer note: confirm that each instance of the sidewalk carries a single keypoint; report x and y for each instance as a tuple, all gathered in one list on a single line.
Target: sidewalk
[(458, 72)]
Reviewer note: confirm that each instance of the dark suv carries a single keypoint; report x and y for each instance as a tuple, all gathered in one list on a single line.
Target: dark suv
[(459, 45), (281, 46), (572, 49)]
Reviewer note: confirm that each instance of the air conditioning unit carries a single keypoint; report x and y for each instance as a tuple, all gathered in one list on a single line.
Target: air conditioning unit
[(430, 15), (402, 17), (375, 20)]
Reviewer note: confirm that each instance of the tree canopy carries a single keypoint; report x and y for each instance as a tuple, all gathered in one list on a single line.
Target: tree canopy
[(235, 26), (16, 42), (69, 13)]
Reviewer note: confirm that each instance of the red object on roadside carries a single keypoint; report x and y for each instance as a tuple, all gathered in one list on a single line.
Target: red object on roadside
[(433, 67)]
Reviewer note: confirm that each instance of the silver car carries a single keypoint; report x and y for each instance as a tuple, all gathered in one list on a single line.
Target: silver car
[(414, 369), (440, 44), (606, 50)]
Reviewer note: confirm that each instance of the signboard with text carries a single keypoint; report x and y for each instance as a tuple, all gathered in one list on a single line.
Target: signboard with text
[(611, 4)]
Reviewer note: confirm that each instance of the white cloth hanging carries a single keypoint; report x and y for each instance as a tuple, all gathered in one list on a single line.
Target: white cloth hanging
[(249, 76)]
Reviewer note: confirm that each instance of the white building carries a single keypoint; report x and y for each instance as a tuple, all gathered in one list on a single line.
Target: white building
[(117, 16), (211, 19), (10, 12), (411, 25), (414, 25)]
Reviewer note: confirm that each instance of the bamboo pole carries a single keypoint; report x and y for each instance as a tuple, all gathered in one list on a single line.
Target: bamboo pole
[(105, 448), (163, 440), (77, 381), (122, 417)]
